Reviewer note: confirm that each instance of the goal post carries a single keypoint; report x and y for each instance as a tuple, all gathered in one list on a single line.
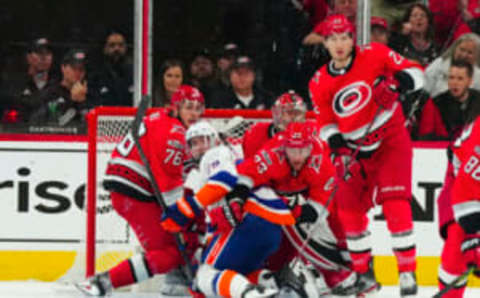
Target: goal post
[(108, 238)]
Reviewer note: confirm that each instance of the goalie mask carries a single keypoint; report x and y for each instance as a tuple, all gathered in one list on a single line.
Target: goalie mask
[(200, 137), (289, 107), (298, 144)]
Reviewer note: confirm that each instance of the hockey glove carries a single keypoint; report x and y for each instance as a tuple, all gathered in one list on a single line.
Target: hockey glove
[(471, 251), (226, 217), (178, 216), (385, 93)]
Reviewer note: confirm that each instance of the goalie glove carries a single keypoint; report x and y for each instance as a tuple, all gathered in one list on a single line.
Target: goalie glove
[(385, 92)]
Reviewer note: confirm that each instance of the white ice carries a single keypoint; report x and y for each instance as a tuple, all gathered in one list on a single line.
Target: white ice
[(55, 290)]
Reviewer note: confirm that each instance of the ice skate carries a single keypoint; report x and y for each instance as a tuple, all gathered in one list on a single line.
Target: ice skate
[(174, 284), (408, 284), (97, 286)]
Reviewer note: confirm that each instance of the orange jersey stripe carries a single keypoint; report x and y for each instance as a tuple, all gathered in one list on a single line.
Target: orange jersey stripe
[(224, 283), (210, 194), (217, 248), (273, 217)]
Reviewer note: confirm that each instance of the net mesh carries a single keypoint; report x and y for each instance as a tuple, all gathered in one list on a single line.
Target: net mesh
[(114, 241)]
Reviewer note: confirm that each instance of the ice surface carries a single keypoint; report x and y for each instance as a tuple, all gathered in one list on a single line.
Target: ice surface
[(55, 290)]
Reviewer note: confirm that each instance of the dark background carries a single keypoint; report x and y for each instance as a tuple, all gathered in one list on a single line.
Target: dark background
[(268, 30)]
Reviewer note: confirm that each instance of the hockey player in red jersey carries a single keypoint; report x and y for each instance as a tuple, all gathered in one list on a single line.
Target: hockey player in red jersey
[(287, 108), (459, 210), (362, 121), (162, 137), (299, 164)]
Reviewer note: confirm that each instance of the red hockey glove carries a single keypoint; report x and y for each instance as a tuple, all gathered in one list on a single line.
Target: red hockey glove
[(227, 217), (471, 251), (385, 93), (178, 216)]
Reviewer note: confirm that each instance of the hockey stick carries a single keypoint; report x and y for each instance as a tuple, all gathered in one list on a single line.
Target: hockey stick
[(137, 122), (454, 283)]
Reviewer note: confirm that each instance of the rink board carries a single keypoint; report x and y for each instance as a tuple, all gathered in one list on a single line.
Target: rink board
[(42, 190)]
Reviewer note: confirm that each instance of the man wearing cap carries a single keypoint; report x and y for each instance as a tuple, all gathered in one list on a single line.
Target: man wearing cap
[(113, 80), (24, 92), (243, 94), (67, 101), (379, 30), (225, 60), (202, 72)]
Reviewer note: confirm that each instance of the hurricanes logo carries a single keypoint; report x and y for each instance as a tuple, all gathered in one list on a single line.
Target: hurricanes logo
[(351, 99)]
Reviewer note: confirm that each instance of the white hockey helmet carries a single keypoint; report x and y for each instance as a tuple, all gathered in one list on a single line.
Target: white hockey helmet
[(200, 137)]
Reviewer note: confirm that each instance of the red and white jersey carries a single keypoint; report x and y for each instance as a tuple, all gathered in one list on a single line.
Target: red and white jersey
[(270, 167), (256, 136), (343, 98), (163, 140), (466, 162)]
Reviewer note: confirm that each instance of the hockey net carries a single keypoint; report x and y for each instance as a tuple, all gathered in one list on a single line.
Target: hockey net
[(109, 240)]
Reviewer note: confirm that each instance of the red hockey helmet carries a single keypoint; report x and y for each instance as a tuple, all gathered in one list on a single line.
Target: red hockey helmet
[(187, 92), (336, 23), (288, 107), (298, 135)]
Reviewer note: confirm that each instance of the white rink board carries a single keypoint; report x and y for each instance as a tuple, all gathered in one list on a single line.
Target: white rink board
[(53, 220)]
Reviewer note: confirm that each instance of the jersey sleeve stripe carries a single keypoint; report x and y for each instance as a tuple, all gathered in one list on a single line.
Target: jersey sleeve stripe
[(245, 180), (280, 217), (465, 209), (328, 130), (134, 166), (224, 179), (210, 194), (110, 179)]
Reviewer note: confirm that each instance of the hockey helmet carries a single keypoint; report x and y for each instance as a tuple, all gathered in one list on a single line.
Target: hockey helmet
[(187, 93), (287, 108), (336, 23), (200, 137)]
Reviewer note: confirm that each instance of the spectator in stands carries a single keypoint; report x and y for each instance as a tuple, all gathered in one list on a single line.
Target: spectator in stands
[(113, 80), (316, 9), (23, 94), (444, 116), (68, 101), (470, 18), (467, 48), (446, 17), (202, 72), (379, 30), (416, 38), (171, 78), (243, 93), (346, 7), (391, 10), (225, 60)]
